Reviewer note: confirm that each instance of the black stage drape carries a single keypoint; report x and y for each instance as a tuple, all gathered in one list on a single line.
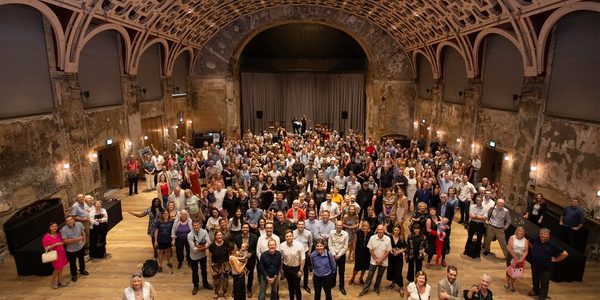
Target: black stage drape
[(321, 97)]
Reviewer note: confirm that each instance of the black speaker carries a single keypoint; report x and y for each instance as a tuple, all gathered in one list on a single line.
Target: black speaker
[(344, 114), (259, 114)]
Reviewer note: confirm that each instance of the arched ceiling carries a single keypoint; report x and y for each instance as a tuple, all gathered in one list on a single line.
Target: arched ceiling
[(414, 23)]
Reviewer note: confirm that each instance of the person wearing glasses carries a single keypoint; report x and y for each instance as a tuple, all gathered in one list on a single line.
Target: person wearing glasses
[(138, 289)]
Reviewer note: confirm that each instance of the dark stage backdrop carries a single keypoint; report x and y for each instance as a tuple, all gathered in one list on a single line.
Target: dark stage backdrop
[(321, 97)]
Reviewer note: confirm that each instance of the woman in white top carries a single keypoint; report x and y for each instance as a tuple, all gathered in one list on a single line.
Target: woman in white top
[(98, 230), (139, 290), (419, 289), (518, 248), (411, 188)]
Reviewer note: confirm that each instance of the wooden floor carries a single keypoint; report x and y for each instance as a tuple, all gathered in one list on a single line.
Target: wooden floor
[(129, 246)]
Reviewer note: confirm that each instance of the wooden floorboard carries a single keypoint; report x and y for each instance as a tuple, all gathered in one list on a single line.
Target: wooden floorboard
[(129, 246)]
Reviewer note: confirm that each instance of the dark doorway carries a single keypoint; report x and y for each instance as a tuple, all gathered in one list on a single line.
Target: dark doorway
[(423, 130), (111, 172), (491, 164), (181, 131), (152, 128)]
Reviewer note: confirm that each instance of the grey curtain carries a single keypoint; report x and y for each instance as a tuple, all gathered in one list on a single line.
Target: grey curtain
[(320, 97)]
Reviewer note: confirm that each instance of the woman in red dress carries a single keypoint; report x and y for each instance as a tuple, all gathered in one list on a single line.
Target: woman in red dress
[(194, 179), (53, 241), (163, 189)]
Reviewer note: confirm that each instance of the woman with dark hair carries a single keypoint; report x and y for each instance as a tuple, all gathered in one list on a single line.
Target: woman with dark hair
[(431, 234), (163, 189), (536, 210), (153, 212), (162, 238), (218, 261), (267, 194), (362, 253), (395, 259), (415, 251), (212, 225), (235, 223), (53, 241), (238, 270)]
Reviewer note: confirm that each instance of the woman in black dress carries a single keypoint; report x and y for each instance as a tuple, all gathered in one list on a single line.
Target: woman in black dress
[(395, 259), (362, 254), (218, 258), (431, 234), (267, 193)]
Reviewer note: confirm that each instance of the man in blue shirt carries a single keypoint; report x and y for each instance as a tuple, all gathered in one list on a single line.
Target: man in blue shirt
[(269, 268), (253, 214), (572, 221), (74, 237), (543, 255), (422, 195), (323, 269)]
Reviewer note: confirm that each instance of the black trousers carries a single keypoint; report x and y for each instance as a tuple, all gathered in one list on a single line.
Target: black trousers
[(540, 279), (323, 283), (306, 270), (341, 269), (250, 264), (414, 266), (291, 275), (98, 240), (180, 244), (475, 228), (72, 257), (195, 277), (239, 292), (133, 183), (464, 211)]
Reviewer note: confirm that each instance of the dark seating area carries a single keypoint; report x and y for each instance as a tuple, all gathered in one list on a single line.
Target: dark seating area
[(24, 232), (569, 270)]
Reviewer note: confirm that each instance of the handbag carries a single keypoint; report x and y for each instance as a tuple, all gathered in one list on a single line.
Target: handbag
[(515, 270), (49, 256)]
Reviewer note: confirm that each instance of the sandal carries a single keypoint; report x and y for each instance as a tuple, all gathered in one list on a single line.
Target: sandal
[(402, 293), (506, 286)]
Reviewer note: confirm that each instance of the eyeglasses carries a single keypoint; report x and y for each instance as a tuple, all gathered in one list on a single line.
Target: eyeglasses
[(133, 275)]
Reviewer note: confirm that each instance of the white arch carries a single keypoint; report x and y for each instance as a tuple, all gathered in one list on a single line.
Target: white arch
[(416, 67), (484, 33), (553, 19), (59, 33), (100, 29)]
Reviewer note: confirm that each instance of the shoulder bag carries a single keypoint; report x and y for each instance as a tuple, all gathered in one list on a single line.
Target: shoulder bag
[(49, 256)]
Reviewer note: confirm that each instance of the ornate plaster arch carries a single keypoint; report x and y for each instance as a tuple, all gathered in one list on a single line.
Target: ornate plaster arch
[(135, 62), (438, 55), (431, 63), (175, 55), (489, 31), (96, 31), (554, 18), (59, 33)]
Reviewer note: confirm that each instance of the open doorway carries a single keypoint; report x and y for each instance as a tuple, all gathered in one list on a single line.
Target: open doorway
[(111, 172), (491, 164)]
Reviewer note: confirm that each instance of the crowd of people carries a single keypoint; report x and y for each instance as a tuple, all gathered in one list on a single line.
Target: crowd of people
[(280, 207)]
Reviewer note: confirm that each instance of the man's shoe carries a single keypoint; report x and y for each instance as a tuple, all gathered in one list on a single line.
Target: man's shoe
[(208, 286), (377, 291), (343, 290), (178, 266), (307, 289), (362, 293), (84, 272), (485, 253), (532, 294), (74, 278), (195, 290)]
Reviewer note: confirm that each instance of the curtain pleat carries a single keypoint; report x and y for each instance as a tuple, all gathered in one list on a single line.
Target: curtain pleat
[(319, 97)]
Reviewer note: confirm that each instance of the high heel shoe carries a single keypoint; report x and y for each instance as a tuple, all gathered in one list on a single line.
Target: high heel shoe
[(351, 281)]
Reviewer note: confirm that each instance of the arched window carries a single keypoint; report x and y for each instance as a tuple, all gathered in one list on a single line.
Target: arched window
[(100, 71), (180, 74), (575, 77), (455, 76), (25, 87), (424, 77), (149, 73), (502, 73)]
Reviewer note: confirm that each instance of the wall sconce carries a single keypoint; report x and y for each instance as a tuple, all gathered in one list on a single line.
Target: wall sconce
[(507, 157), (428, 91), (66, 166), (598, 193), (438, 132), (460, 93), (176, 126), (492, 144), (428, 128), (190, 121), (143, 91), (145, 138), (473, 145), (129, 143), (458, 140), (423, 121), (85, 94), (533, 168)]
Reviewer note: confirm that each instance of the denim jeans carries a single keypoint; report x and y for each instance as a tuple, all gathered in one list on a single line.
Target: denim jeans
[(380, 271), (263, 288)]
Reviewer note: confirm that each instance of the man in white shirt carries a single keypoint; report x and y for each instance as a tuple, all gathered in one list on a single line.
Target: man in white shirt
[(178, 198), (324, 227), (338, 245), (199, 241), (262, 244), (330, 206), (219, 194), (466, 190), (158, 161), (293, 256), (352, 186), (306, 238), (379, 246)]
